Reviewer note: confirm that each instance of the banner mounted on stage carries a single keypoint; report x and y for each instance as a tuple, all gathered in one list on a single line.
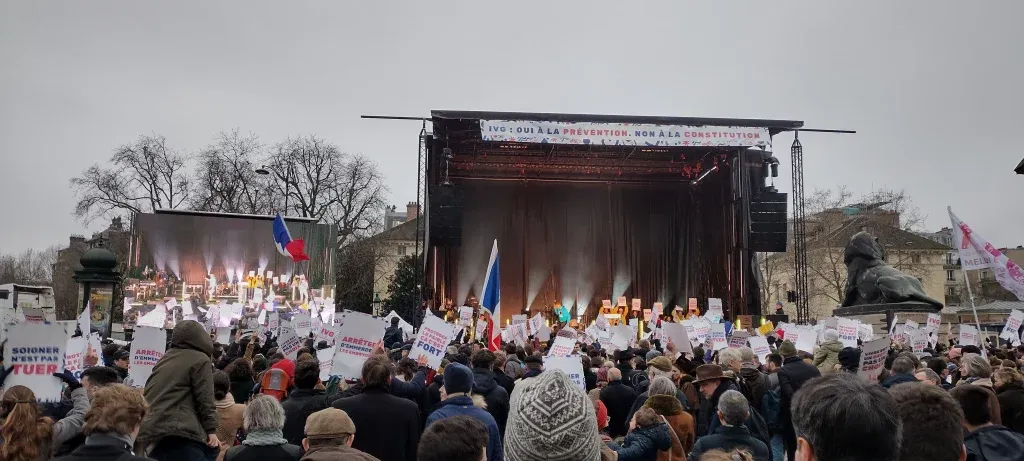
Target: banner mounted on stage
[(622, 134)]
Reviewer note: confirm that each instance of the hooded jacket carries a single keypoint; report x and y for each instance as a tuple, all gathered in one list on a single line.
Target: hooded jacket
[(463, 405), (180, 389), (827, 356), (618, 397), (994, 443), (1011, 406), (679, 421), (495, 395), (643, 444)]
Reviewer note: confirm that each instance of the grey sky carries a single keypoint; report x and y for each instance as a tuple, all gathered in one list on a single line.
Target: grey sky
[(933, 87)]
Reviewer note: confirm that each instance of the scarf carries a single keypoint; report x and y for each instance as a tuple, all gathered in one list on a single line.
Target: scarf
[(264, 438), (226, 402)]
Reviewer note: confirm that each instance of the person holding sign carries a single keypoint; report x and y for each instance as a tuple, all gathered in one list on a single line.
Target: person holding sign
[(183, 416), (22, 416), (826, 358)]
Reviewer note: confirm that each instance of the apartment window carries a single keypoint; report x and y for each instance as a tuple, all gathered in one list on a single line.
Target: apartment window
[(916, 259), (951, 292), (949, 276), (401, 251)]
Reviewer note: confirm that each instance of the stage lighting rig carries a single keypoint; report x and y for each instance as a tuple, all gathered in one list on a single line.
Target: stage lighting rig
[(703, 175), (447, 154)]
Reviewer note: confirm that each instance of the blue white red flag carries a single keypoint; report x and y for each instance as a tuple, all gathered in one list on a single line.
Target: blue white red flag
[(490, 299), (295, 249)]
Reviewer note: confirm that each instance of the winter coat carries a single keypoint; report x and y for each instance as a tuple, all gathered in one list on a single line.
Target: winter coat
[(898, 379), (755, 384), (994, 443), (827, 356), (641, 399), (299, 404), (679, 421), (755, 424), (393, 337), (180, 389), (618, 397), (728, 438), (463, 405), (793, 374), (283, 452), (229, 415), (1011, 406), (644, 443), (505, 381), (339, 453), (102, 447), (707, 415), (631, 377), (388, 426), (495, 396), (589, 379)]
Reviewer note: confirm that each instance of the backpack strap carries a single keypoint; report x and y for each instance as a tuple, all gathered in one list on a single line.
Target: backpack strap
[(675, 438)]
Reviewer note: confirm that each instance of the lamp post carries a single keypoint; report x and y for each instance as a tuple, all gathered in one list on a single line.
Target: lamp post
[(265, 171), (97, 281), (376, 304)]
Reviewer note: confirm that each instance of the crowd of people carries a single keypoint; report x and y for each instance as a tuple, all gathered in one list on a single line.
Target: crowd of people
[(246, 401)]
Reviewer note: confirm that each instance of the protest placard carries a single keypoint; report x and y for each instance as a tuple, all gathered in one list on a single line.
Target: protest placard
[(155, 318), (224, 335), (635, 304), (561, 347), (968, 335), (910, 325), (302, 322), (1012, 327), (544, 333), (759, 344), (74, 355), (691, 304), (84, 320), (618, 342), (35, 351), (536, 322), (848, 330), (602, 322), (934, 322), (791, 332), (715, 312), (701, 330), (865, 332), (517, 333), (606, 303), (289, 343), (432, 341), (481, 328), (621, 301), (738, 338), (327, 333), (273, 322), (717, 337), (766, 329), (465, 316), (519, 319), (326, 359), (571, 365), (872, 359), (679, 337), (918, 340), (148, 347), (355, 340), (808, 338)]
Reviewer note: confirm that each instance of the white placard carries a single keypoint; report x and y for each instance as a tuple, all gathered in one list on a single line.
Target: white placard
[(715, 312), (622, 134), (355, 341), (934, 322), (186, 308), (148, 347), (289, 343), (738, 338), (74, 355), (918, 340), (224, 335), (544, 333), (677, 333), (911, 325), (561, 347), (302, 322), (36, 352), (717, 338), (481, 328), (326, 359), (432, 341), (865, 332), (517, 333), (465, 316), (968, 335), (602, 321), (327, 333), (759, 344), (618, 342), (519, 319), (536, 322), (808, 338), (872, 359), (273, 322), (571, 365), (848, 331), (702, 330), (85, 320), (156, 318)]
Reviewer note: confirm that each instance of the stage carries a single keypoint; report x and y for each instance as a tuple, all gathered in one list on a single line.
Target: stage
[(590, 207)]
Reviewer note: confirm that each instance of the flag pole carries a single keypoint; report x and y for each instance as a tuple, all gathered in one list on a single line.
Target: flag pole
[(974, 309)]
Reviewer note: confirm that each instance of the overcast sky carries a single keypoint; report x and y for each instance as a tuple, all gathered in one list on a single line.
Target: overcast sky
[(932, 87)]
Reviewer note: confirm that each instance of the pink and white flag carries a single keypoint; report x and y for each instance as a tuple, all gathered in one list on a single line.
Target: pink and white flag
[(978, 253)]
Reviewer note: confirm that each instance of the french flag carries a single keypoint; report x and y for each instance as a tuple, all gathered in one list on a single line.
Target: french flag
[(295, 249), (490, 299)]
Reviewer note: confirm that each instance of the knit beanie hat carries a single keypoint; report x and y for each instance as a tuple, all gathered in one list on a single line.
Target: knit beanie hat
[(457, 378), (787, 349), (550, 418), (831, 335)]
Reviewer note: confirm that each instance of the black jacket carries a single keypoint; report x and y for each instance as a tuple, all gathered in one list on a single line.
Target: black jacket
[(589, 379), (793, 374), (728, 438), (389, 426), (506, 382), (1011, 407), (618, 398), (630, 377), (494, 395), (283, 452), (102, 448), (393, 337), (898, 379), (994, 443), (299, 404)]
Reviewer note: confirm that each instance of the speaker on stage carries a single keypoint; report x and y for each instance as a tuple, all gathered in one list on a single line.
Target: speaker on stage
[(775, 319), (445, 215), (768, 226)]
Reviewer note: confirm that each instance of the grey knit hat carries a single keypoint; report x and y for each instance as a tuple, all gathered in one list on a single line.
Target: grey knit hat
[(551, 419)]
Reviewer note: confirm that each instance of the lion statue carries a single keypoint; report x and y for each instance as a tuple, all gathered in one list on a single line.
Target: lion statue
[(869, 280)]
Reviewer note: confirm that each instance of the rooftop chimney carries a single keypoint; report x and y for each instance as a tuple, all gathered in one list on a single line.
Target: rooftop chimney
[(412, 211)]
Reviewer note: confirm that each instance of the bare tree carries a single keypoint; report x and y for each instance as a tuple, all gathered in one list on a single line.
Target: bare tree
[(313, 178), (142, 176), (773, 267), (226, 178), (30, 267)]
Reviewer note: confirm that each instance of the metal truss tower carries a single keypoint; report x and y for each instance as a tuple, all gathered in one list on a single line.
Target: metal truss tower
[(803, 314)]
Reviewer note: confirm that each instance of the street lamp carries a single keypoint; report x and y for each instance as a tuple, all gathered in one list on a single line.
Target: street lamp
[(264, 171), (376, 304)]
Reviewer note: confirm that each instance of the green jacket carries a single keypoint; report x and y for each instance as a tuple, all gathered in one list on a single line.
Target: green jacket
[(180, 390), (827, 356)]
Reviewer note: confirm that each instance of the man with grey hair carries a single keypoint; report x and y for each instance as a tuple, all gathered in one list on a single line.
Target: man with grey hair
[(927, 376), (903, 369), (733, 411), (263, 422), (656, 368)]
